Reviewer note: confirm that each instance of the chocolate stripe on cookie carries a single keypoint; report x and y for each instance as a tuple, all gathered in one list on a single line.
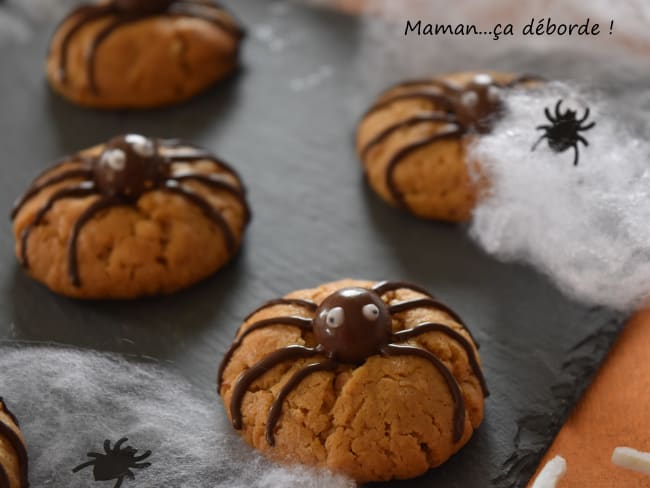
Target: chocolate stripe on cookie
[(297, 302), (127, 168), (429, 96), (452, 384), (400, 155), (17, 444), (424, 118), (218, 183), (124, 12), (434, 304), (469, 108), (425, 327), (300, 322)]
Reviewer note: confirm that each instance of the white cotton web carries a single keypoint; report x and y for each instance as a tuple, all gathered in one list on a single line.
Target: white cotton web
[(586, 226), (69, 402)]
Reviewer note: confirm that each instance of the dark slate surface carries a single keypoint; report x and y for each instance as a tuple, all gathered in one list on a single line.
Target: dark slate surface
[(314, 221)]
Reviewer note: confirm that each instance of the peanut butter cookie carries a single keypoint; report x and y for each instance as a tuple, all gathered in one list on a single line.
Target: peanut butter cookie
[(132, 217), (374, 380), (13, 453), (413, 140), (142, 53)]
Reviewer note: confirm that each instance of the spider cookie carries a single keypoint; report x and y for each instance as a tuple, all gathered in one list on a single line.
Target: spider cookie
[(13, 453), (374, 380), (142, 53), (413, 140), (128, 218)]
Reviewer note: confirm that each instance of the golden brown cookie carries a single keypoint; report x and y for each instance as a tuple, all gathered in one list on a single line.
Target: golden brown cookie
[(128, 218), (374, 380), (13, 452), (142, 53), (413, 141)]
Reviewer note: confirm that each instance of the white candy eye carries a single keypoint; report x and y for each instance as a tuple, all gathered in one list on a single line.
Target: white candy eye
[(469, 99), (371, 311), (482, 79), (335, 318), (493, 94), (141, 145), (114, 159)]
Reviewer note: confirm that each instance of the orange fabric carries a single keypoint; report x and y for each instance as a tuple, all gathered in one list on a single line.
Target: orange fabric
[(615, 411)]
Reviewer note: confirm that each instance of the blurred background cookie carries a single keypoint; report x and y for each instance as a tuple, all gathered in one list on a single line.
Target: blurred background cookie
[(13, 453), (373, 380), (412, 141), (132, 217), (142, 53)]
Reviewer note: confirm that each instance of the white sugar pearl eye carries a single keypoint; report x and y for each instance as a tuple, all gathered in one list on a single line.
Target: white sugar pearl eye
[(141, 145), (114, 159), (335, 318), (482, 79), (493, 94), (370, 311), (469, 99)]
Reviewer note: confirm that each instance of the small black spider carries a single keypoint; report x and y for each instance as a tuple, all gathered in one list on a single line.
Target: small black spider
[(564, 133), (116, 464)]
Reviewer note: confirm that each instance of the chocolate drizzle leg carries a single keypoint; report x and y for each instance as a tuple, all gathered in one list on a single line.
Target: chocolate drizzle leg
[(349, 326), (129, 167), (124, 12), (8, 432), (460, 110)]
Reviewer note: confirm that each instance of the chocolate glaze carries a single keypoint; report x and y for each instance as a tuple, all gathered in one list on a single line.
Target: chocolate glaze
[(454, 389), (276, 409), (349, 326), (384, 287), (296, 302), (423, 328), (300, 322), (4, 478), (128, 167), (124, 12), (467, 109), (258, 369), (434, 304), (7, 432)]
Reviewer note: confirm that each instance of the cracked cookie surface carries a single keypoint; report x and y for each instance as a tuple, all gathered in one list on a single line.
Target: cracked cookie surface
[(142, 53), (413, 141), (388, 417), (160, 239)]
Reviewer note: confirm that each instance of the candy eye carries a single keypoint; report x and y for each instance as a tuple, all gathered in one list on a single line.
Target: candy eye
[(335, 318), (493, 94), (114, 159), (371, 311), (469, 99), (141, 145)]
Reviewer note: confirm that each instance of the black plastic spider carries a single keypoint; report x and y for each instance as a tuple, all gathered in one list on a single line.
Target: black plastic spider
[(128, 167), (564, 133), (116, 463), (349, 326), (125, 12)]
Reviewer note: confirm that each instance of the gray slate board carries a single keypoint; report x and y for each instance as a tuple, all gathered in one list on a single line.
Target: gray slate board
[(314, 221)]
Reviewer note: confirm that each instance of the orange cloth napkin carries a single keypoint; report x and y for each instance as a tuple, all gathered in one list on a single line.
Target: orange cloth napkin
[(615, 411)]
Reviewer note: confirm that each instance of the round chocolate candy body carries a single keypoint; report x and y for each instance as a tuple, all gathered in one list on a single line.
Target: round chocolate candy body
[(129, 166), (477, 104), (142, 7), (352, 325)]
